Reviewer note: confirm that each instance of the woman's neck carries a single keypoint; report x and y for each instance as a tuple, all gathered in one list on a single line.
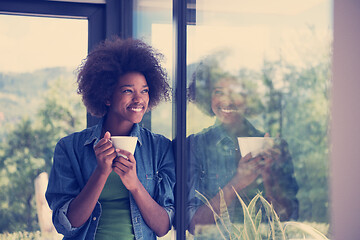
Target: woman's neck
[(236, 130), (116, 127)]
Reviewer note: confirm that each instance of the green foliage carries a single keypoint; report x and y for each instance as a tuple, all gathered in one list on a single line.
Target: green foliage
[(20, 93), (27, 150), (252, 228), (299, 111)]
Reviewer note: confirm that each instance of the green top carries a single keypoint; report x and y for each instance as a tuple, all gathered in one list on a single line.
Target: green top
[(115, 220)]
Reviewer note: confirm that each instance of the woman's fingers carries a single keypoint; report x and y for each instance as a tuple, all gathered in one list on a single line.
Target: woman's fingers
[(125, 164), (246, 158), (103, 145), (107, 135), (126, 154)]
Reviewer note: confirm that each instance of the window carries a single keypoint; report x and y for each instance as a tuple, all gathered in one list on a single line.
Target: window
[(41, 49), (256, 68), (152, 23), (286, 43), (38, 59)]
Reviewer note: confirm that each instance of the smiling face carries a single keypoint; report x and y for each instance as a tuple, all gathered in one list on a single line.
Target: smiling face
[(228, 101), (130, 99)]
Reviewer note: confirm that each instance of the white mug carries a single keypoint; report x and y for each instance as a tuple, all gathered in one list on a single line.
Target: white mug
[(125, 143)]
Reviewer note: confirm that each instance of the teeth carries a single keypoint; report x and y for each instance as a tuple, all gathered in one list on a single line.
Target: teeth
[(229, 110), (136, 109)]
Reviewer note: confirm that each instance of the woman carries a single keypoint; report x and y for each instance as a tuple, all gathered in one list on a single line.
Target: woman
[(95, 194), (215, 161)]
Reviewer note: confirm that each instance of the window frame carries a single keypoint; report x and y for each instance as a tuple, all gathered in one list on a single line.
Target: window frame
[(95, 13), (115, 17), (179, 130), (345, 117)]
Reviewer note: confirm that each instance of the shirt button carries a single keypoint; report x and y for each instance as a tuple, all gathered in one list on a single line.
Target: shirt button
[(94, 218)]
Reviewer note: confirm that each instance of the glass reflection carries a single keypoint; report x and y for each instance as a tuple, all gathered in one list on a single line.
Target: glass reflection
[(258, 67), (218, 161)]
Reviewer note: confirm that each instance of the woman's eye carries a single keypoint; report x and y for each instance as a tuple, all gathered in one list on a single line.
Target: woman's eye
[(218, 92), (145, 91), (127, 91)]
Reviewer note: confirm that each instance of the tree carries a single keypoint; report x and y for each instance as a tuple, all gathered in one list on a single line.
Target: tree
[(298, 111), (28, 151)]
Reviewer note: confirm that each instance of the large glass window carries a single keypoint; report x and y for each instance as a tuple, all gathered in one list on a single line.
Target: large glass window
[(39, 56), (152, 23), (258, 76), (256, 71)]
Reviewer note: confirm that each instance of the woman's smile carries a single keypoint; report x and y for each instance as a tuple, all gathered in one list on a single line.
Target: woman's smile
[(229, 110), (136, 108), (130, 100)]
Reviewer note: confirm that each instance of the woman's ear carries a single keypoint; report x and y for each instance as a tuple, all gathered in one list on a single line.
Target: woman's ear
[(107, 103)]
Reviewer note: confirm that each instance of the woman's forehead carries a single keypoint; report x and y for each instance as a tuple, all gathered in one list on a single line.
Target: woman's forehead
[(230, 83)]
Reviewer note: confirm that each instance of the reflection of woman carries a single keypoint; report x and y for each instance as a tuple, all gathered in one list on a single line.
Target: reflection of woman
[(215, 159), (95, 194)]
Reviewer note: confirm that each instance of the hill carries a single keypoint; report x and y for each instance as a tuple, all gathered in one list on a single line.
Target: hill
[(21, 93)]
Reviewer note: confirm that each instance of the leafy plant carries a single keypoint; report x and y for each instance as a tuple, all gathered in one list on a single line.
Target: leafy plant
[(252, 227)]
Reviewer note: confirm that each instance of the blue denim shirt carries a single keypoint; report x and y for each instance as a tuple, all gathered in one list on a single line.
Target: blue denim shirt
[(213, 162), (75, 161)]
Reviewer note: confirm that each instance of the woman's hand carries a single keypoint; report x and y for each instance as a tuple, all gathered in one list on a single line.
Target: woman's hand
[(154, 215), (125, 167), (247, 171), (81, 207), (273, 177), (270, 157), (105, 154)]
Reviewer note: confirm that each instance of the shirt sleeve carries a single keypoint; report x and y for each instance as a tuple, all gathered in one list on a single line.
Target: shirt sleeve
[(63, 186), (286, 186), (62, 216), (193, 179), (166, 178)]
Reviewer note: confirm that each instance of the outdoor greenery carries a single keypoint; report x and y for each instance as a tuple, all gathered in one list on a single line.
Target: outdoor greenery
[(299, 112), (27, 145), (252, 228)]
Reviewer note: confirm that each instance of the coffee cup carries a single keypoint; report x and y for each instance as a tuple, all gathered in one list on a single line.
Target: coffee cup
[(254, 145), (127, 143)]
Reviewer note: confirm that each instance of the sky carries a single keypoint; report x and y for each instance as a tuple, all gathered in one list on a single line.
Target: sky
[(30, 43), (297, 32)]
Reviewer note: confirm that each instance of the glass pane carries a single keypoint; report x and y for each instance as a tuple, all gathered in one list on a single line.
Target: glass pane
[(153, 24), (38, 106), (259, 81)]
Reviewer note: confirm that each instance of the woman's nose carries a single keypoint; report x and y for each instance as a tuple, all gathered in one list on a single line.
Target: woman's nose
[(137, 97)]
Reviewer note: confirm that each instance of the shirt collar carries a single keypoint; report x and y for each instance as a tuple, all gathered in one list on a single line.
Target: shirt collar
[(222, 136), (96, 133), (135, 132)]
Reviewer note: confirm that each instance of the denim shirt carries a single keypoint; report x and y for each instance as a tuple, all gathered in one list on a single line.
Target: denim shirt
[(213, 162), (75, 161)]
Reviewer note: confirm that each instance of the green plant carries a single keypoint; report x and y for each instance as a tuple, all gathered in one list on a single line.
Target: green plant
[(253, 228)]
